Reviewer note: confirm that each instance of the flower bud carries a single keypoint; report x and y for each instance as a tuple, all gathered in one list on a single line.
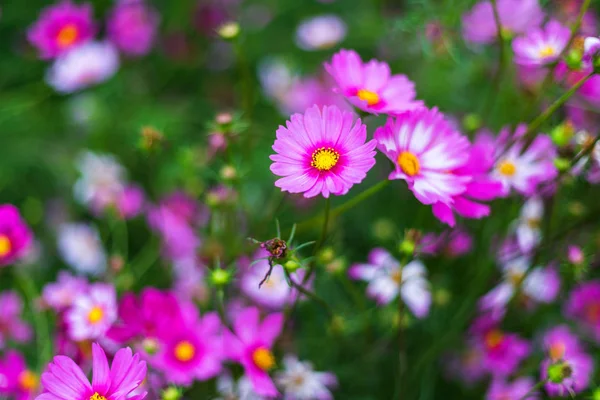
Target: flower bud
[(326, 255), (562, 134), (562, 164), (337, 266), (220, 277), (228, 173), (151, 139), (229, 30), (407, 247), (292, 265), (471, 122), (575, 255), (224, 118), (171, 393), (573, 59), (383, 229), (150, 346), (560, 371)]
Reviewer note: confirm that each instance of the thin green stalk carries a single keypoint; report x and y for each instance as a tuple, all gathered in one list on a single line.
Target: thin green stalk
[(489, 103), (325, 226), (534, 389), (312, 295), (220, 300)]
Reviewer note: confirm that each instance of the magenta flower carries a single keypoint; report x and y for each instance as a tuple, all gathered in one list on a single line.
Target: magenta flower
[(584, 306), (541, 46), (559, 342), (132, 27), (251, 346), (130, 202), (61, 294), (64, 380), (581, 367), (191, 348), (15, 236), (11, 325), (503, 390), (516, 16), (371, 87), (92, 313), (16, 380), (423, 147), (322, 152), (61, 27)]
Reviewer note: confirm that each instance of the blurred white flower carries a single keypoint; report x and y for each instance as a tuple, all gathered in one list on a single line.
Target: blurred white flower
[(322, 32), (101, 182), (232, 390), (276, 77), (299, 381), (80, 246), (85, 65), (528, 229)]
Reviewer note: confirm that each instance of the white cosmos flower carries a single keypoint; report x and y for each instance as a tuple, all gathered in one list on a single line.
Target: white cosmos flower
[(79, 245), (528, 228), (101, 182), (322, 32), (299, 381)]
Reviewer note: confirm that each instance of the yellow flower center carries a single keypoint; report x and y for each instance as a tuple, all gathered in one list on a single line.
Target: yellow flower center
[(5, 245), (95, 315), (370, 97), (97, 396), (184, 351), (547, 51), (67, 35), (507, 168), (397, 276), (409, 163), (263, 358), (494, 338), (557, 351), (324, 159), (28, 381)]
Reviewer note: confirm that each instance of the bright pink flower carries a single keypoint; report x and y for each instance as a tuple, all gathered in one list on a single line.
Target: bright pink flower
[(191, 348), (503, 390), (322, 152), (61, 27), (61, 294), (541, 46), (15, 236), (92, 313), (64, 380), (132, 27), (516, 16), (16, 380), (11, 325), (584, 306), (130, 202), (370, 86), (559, 342), (424, 147), (251, 345), (582, 368)]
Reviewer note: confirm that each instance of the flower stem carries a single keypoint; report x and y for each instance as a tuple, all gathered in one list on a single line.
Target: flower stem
[(325, 225), (534, 388), (300, 288)]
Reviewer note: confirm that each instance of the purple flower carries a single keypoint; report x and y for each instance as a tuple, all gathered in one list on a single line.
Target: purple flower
[(15, 236), (516, 16), (559, 342), (61, 294), (580, 367), (132, 27), (11, 325), (583, 306), (503, 390), (61, 27), (130, 202), (64, 380), (92, 313), (251, 345), (541, 46), (16, 380)]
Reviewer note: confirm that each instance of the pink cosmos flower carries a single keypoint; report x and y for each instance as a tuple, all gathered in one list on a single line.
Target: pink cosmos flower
[(502, 351), (371, 87), (11, 325), (424, 147), (61, 294), (584, 306), (388, 278), (92, 313), (179, 238), (516, 16), (61, 27), (132, 27), (503, 390), (303, 93), (251, 345), (582, 368), (191, 348), (64, 380), (16, 380), (15, 236), (559, 342), (130, 202), (322, 152), (541, 46)]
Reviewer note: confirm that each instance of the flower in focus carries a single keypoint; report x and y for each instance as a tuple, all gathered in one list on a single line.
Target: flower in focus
[(132, 27), (80, 246), (322, 152), (11, 326), (518, 389), (299, 381), (541, 46), (101, 181), (516, 16), (423, 147), (319, 33), (64, 380), (583, 306), (15, 236), (577, 369), (61, 27), (230, 389), (559, 342), (371, 87), (528, 229), (388, 278), (16, 380), (86, 65), (61, 294), (92, 313), (251, 344)]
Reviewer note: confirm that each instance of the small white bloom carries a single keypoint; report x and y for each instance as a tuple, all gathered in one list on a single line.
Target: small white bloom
[(322, 32), (232, 390), (80, 247), (528, 229), (101, 181), (85, 65), (299, 381)]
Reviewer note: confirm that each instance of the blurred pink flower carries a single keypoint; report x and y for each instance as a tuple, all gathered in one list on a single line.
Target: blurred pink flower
[(451, 243), (132, 27), (559, 342), (583, 306), (322, 152), (61, 294), (581, 367), (15, 236), (130, 202), (370, 86), (500, 389), (541, 46), (92, 313), (179, 238), (16, 380), (575, 255), (61, 27), (11, 326)]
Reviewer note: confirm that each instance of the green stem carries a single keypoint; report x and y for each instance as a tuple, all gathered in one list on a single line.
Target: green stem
[(325, 226), (220, 295), (534, 389), (312, 295), (489, 103)]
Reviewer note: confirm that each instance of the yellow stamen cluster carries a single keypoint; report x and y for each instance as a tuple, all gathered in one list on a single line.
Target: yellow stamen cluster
[(409, 163), (67, 35), (324, 159), (28, 381), (557, 351), (370, 97), (97, 396), (494, 338), (547, 51), (184, 351), (507, 168), (263, 358), (95, 315), (5, 245)]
